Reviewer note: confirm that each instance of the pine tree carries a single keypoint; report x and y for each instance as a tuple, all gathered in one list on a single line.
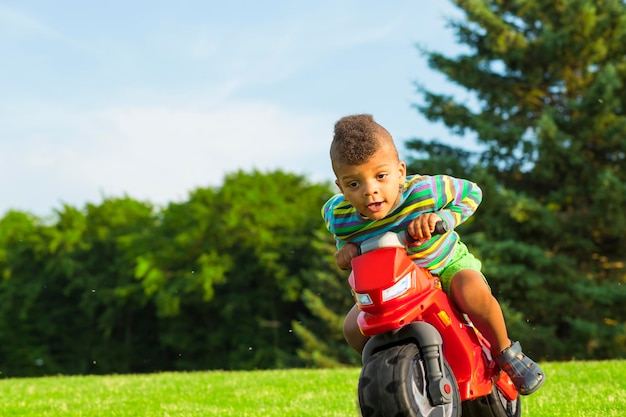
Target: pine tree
[(327, 299), (547, 107)]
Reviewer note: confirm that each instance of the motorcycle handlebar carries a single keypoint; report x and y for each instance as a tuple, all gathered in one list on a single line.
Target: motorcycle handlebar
[(399, 239), (441, 228)]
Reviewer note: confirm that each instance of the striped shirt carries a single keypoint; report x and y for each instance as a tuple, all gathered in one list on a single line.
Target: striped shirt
[(453, 199)]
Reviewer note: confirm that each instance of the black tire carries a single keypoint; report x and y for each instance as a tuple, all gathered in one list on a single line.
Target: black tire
[(493, 405), (393, 384)]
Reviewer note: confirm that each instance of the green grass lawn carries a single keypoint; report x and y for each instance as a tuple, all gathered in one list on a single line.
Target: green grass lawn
[(589, 389)]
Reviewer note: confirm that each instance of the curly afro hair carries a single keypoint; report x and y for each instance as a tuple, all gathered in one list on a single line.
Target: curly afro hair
[(357, 138)]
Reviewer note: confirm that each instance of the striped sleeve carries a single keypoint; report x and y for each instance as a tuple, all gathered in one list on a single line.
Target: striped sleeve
[(455, 199), (328, 214)]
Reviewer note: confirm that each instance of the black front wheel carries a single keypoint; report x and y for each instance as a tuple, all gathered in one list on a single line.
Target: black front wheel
[(393, 383), (493, 405)]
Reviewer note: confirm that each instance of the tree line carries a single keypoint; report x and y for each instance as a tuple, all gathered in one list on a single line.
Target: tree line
[(219, 281), (242, 276)]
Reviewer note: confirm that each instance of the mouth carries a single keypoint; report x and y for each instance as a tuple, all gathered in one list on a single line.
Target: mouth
[(375, 207)]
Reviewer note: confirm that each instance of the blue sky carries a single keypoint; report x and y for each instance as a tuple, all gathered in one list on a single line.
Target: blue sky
[(152, 99)]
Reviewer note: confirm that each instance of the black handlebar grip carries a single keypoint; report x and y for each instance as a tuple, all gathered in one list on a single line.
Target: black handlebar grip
[(441, 228)]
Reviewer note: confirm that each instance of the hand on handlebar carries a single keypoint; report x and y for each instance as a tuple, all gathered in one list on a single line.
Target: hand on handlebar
[(419, 231), (423, 227), (344, 256)]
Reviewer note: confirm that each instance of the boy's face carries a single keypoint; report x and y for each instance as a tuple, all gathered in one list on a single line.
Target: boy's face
[(374, 187)]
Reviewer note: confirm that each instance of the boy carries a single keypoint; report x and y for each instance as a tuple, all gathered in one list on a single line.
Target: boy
[(377, 196)]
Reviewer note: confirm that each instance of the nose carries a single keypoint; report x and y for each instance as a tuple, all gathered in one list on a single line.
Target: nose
[(371, 188)]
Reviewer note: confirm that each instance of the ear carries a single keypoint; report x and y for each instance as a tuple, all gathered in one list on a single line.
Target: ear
[(402, 171), (339, 186)]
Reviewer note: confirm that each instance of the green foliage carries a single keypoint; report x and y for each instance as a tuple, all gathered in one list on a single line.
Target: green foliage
[(548, 109), (328, 299), (61, 311), (216, 281), (226, 270), (268, 226)]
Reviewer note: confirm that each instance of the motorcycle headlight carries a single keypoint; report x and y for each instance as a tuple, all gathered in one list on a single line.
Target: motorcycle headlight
[(363, 299), (397, 289)]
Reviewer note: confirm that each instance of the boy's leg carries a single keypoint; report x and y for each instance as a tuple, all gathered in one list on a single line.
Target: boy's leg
[(472, 295), (351, 330)]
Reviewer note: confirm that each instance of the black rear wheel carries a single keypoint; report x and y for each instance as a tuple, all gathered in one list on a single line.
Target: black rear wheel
[(493, 405), (393, 384)]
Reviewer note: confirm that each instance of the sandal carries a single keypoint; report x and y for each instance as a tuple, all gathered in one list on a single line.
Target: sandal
[(526, 375)]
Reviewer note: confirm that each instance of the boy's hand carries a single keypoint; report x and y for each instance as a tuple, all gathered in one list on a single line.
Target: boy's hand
[(422, 227), (344, 256)]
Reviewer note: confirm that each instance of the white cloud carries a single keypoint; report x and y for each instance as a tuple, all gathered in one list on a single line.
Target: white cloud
[(155, 153), (21, 22), (153, 102)]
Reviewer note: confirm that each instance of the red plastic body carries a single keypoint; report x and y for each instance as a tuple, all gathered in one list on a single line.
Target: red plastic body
[(466, 351)]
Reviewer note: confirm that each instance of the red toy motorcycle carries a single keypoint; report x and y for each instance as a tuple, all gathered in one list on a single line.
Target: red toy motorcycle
[(423, 358)]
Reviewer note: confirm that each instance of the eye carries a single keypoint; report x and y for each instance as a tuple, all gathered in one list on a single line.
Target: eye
[(382, 176), (352, 184)]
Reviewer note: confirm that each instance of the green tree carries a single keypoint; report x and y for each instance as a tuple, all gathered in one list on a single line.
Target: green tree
[(239, 277), (22, 250), (547, 106), (116, 328), (227, 270), (271, 226), (69, 300), (327, 299)]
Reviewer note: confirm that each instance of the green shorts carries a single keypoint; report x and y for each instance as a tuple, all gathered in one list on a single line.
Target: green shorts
[(461, 259)]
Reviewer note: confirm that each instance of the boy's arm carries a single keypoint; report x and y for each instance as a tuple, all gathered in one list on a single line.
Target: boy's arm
[(343, 257), (327, 213), (455, 199), (328, 216), (346, 251)]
